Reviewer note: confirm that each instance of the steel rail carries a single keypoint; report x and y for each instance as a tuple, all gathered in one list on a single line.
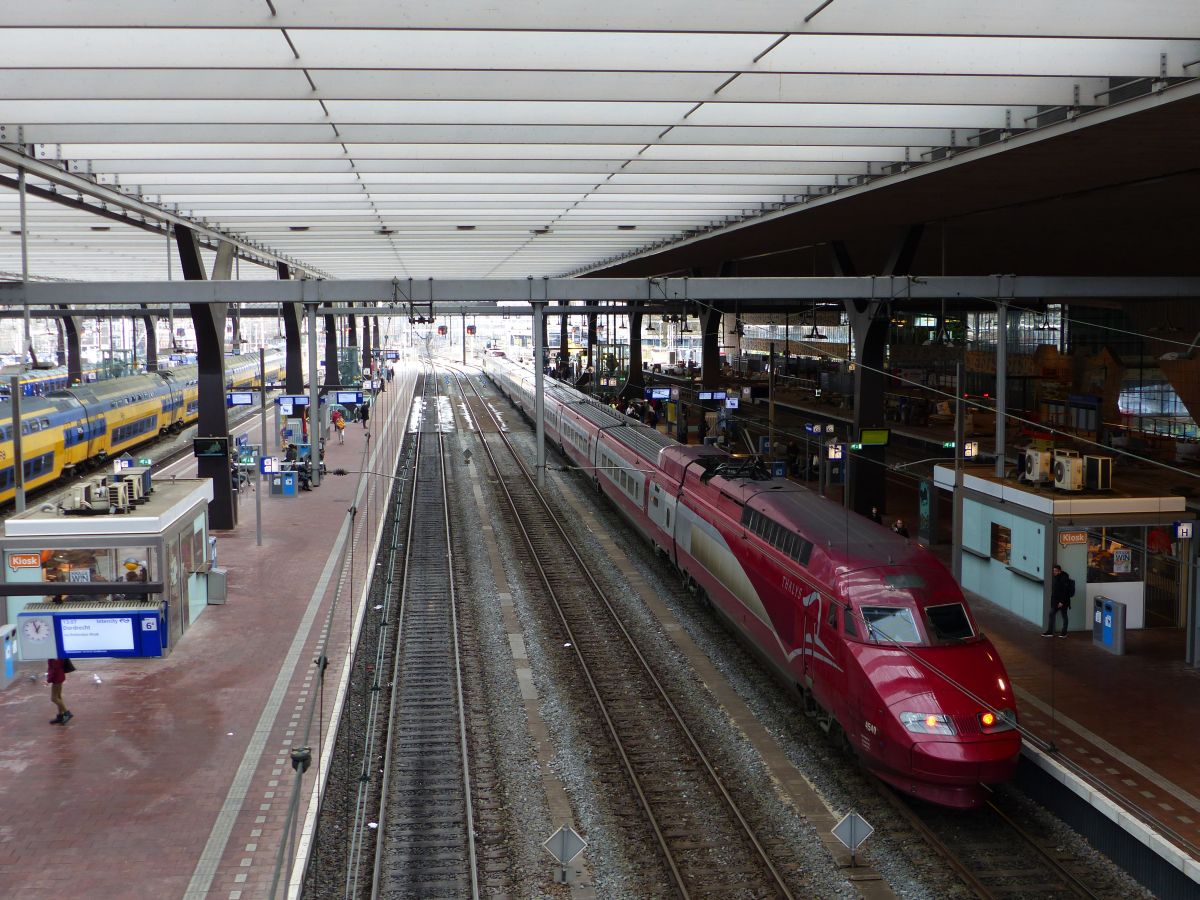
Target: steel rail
[(940, 847), (747, 830), (1077, 887), (376, 871), (1069, 881), (398, 662), (361, 828)]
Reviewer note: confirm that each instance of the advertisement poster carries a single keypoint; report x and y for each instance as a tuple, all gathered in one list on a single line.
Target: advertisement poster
[(1122, 561)]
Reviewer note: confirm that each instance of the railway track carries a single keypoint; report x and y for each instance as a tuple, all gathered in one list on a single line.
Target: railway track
[(669, 795), (992, 853), (426, 843)]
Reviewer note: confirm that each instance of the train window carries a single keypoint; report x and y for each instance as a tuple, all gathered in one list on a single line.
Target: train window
[(891, 624), (848, 624), (949, 622), (831, 616)]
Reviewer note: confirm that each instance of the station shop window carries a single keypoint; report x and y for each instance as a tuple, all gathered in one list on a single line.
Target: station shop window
[(1001, 543), (1116, 554), (108, 564)]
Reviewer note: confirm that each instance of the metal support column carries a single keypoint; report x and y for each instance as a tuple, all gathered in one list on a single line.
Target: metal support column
[(18, 454), (209, 322), (366, 343), (27, 350), (74, 352), (710, 347), (314, 398), (1001, 383), (867, 476), (539, 388), (564, 349), (151, 341), (544, 338), (635, 384), (591, 343), (957, 525), (332, 375)]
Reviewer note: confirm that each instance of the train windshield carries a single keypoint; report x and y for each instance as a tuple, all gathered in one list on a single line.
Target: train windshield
[(891, 624), (949, 622)]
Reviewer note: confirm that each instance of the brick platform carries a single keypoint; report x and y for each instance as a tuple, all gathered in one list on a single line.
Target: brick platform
[(173, 778)]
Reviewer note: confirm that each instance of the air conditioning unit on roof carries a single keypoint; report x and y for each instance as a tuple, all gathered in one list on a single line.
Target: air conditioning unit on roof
[(1098, 472), (1037, 466), (1068, 473)]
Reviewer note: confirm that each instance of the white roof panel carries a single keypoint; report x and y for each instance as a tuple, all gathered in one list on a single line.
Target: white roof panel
[(668, 116)]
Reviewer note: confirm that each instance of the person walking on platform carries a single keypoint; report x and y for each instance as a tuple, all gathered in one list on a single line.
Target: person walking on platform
[(1062, 589), (339, 425), (899, 528), (56, 677), (364, 413)]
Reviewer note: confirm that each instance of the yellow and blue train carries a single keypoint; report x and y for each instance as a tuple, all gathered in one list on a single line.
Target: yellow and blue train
[(70, 429)]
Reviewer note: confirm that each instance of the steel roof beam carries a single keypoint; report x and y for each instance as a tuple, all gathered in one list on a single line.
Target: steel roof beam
[(1082, 18), (675, 290), (82, 185)]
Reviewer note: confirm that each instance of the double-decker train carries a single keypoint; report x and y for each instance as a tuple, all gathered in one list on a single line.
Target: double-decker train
[(69, 429), (869, 626)]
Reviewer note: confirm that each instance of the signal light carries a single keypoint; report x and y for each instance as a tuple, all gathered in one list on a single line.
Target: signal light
[(988, 720), (932, 722), (441, 329)]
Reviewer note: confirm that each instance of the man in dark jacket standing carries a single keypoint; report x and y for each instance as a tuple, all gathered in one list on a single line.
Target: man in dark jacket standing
[(1061, 589)]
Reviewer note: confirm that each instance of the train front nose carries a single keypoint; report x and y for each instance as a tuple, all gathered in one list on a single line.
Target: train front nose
[(966, 761)]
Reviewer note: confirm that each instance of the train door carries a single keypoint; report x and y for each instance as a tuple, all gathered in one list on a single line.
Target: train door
[(829, 658), (661, 510), (807, 613)]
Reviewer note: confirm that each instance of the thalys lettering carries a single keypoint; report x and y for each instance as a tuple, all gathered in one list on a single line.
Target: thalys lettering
[(892, 657)]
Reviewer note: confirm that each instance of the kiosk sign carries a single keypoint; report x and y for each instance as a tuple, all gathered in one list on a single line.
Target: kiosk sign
[(24, 561), (1067, 538)]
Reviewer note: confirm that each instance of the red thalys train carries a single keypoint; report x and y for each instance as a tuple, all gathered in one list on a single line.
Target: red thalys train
[(869, 626)]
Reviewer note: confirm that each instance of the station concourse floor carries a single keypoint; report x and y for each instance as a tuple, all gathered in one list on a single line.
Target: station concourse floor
[(173, 778), (1128, 720)]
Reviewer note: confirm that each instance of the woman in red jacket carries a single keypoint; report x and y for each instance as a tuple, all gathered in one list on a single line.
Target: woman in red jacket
[(56, 676)]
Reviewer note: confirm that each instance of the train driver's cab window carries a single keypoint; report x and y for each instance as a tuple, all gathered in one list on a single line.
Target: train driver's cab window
[(948, 622), (891, 624), (848, 623)]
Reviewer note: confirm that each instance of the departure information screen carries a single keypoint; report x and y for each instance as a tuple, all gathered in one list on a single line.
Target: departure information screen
[(96, 634)]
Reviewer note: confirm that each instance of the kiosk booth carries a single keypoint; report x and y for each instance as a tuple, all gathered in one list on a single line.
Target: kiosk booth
[(126, 581), (1115, 547)]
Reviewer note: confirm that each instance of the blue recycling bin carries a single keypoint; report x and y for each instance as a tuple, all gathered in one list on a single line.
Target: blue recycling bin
[(284, 484), (1108, 625)]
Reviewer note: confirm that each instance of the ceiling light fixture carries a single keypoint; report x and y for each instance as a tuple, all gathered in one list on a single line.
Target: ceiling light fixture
[(101, 227), (626, 227), (465, 227), (298, 228)]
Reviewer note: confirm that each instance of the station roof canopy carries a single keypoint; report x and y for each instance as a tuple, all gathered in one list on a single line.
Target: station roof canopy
[(475, 140)]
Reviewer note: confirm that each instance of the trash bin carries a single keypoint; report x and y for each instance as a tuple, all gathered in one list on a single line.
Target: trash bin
[(8, 638), (1108, 625), (218, 586)]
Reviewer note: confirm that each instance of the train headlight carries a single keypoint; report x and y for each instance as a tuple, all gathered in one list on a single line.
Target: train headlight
[(927, 723), (1001, 720)]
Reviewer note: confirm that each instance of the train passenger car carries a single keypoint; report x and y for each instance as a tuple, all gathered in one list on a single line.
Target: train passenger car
[(87, 424), (869, 627)]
